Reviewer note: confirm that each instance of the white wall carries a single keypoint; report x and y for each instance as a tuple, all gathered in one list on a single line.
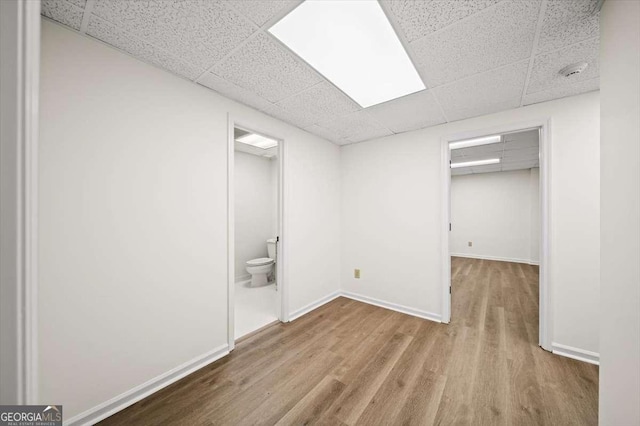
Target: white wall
[(391, 214), (255, 208), (495, 212), (620, 213), (535, 222), (132, 207)]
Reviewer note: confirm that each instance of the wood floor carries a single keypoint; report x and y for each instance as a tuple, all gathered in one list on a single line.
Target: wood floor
[(352, 363)]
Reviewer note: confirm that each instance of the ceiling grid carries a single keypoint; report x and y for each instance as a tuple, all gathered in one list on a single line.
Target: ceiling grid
[(475, 57)]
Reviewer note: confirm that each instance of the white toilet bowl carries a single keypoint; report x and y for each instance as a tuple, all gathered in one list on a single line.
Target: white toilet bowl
[(260, 269)]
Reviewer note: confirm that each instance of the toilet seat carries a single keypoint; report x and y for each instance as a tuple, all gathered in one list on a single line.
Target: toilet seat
[(259, 261)]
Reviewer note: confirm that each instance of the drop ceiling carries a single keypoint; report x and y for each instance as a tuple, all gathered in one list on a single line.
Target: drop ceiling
[(475, 57), (516, 151)]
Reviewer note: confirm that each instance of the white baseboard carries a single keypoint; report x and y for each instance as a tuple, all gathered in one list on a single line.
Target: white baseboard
[(393, 306), (122, 401), (576, 353), (314, 305), (498, 258)]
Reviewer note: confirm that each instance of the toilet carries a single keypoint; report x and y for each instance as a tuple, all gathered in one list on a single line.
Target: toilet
[(261, 268)]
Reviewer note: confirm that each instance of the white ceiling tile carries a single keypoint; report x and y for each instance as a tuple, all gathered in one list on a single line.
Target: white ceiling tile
[(497, 36), (79, 3), (524, 157), (521, 154), (62, 11), (563, 91), (519, 166), (545, 72), (482, 151), (476, 51), (460, 172), (490, 168), (326, 134), (485, 93), (234, 92), (200, 32), (320, 103), (520, 162), (109, 34), (520, 144), (356, 127), (530, 136), (292, 117), (456, 154), (261, 11), (372, 133), (410, 112), (267, 68), (419, 18), (567, 22)]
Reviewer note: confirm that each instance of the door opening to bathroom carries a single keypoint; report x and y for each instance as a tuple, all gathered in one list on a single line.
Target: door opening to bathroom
[(496, 227), (255, 235)]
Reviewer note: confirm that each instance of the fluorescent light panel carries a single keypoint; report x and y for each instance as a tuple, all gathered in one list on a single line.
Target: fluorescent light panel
[(352, 43), (258, 141), (475, 163), (485, 140)]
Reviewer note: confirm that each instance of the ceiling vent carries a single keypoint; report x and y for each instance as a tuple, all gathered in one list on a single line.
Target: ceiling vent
[(573, 69)]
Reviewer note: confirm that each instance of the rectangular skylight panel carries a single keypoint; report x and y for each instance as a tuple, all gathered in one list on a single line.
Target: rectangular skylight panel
[(351, 43), (258, 141)]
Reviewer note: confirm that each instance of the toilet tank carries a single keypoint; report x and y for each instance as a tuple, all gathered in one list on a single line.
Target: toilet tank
[(271, 248)]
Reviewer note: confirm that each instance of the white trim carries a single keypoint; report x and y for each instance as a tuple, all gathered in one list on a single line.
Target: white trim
[(576, 353), (314, 305), (231, 287), (545, 326), (498, 258), (20, 74), (130, 397), (546, 288), (446, 229), (393, 306), (282, 247)]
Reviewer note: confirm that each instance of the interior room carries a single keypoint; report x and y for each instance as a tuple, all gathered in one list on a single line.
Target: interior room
[(320, 212), (495, 198), (256, 198)]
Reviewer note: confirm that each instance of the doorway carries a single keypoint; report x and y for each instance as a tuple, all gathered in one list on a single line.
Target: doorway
[(255, 231), (495, 199)]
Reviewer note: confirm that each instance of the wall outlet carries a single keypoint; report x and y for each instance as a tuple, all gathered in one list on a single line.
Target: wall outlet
[(470, 243), (356, 273)]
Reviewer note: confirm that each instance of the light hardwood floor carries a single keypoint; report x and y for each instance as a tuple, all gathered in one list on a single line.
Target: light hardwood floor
[(352, 363)]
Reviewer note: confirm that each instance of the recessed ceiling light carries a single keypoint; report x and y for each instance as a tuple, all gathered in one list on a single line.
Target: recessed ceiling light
[(258, 141), (475, 142), (475, 163), (352, 43)]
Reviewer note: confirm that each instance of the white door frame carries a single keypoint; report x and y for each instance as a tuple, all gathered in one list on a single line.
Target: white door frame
[(546, 288), (283, 300), (19, 76)]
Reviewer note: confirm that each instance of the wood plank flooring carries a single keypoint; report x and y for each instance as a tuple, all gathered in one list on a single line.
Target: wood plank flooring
[(349, 363)]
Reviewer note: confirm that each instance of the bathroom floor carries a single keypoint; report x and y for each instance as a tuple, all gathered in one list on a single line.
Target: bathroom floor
[(255, 307)]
